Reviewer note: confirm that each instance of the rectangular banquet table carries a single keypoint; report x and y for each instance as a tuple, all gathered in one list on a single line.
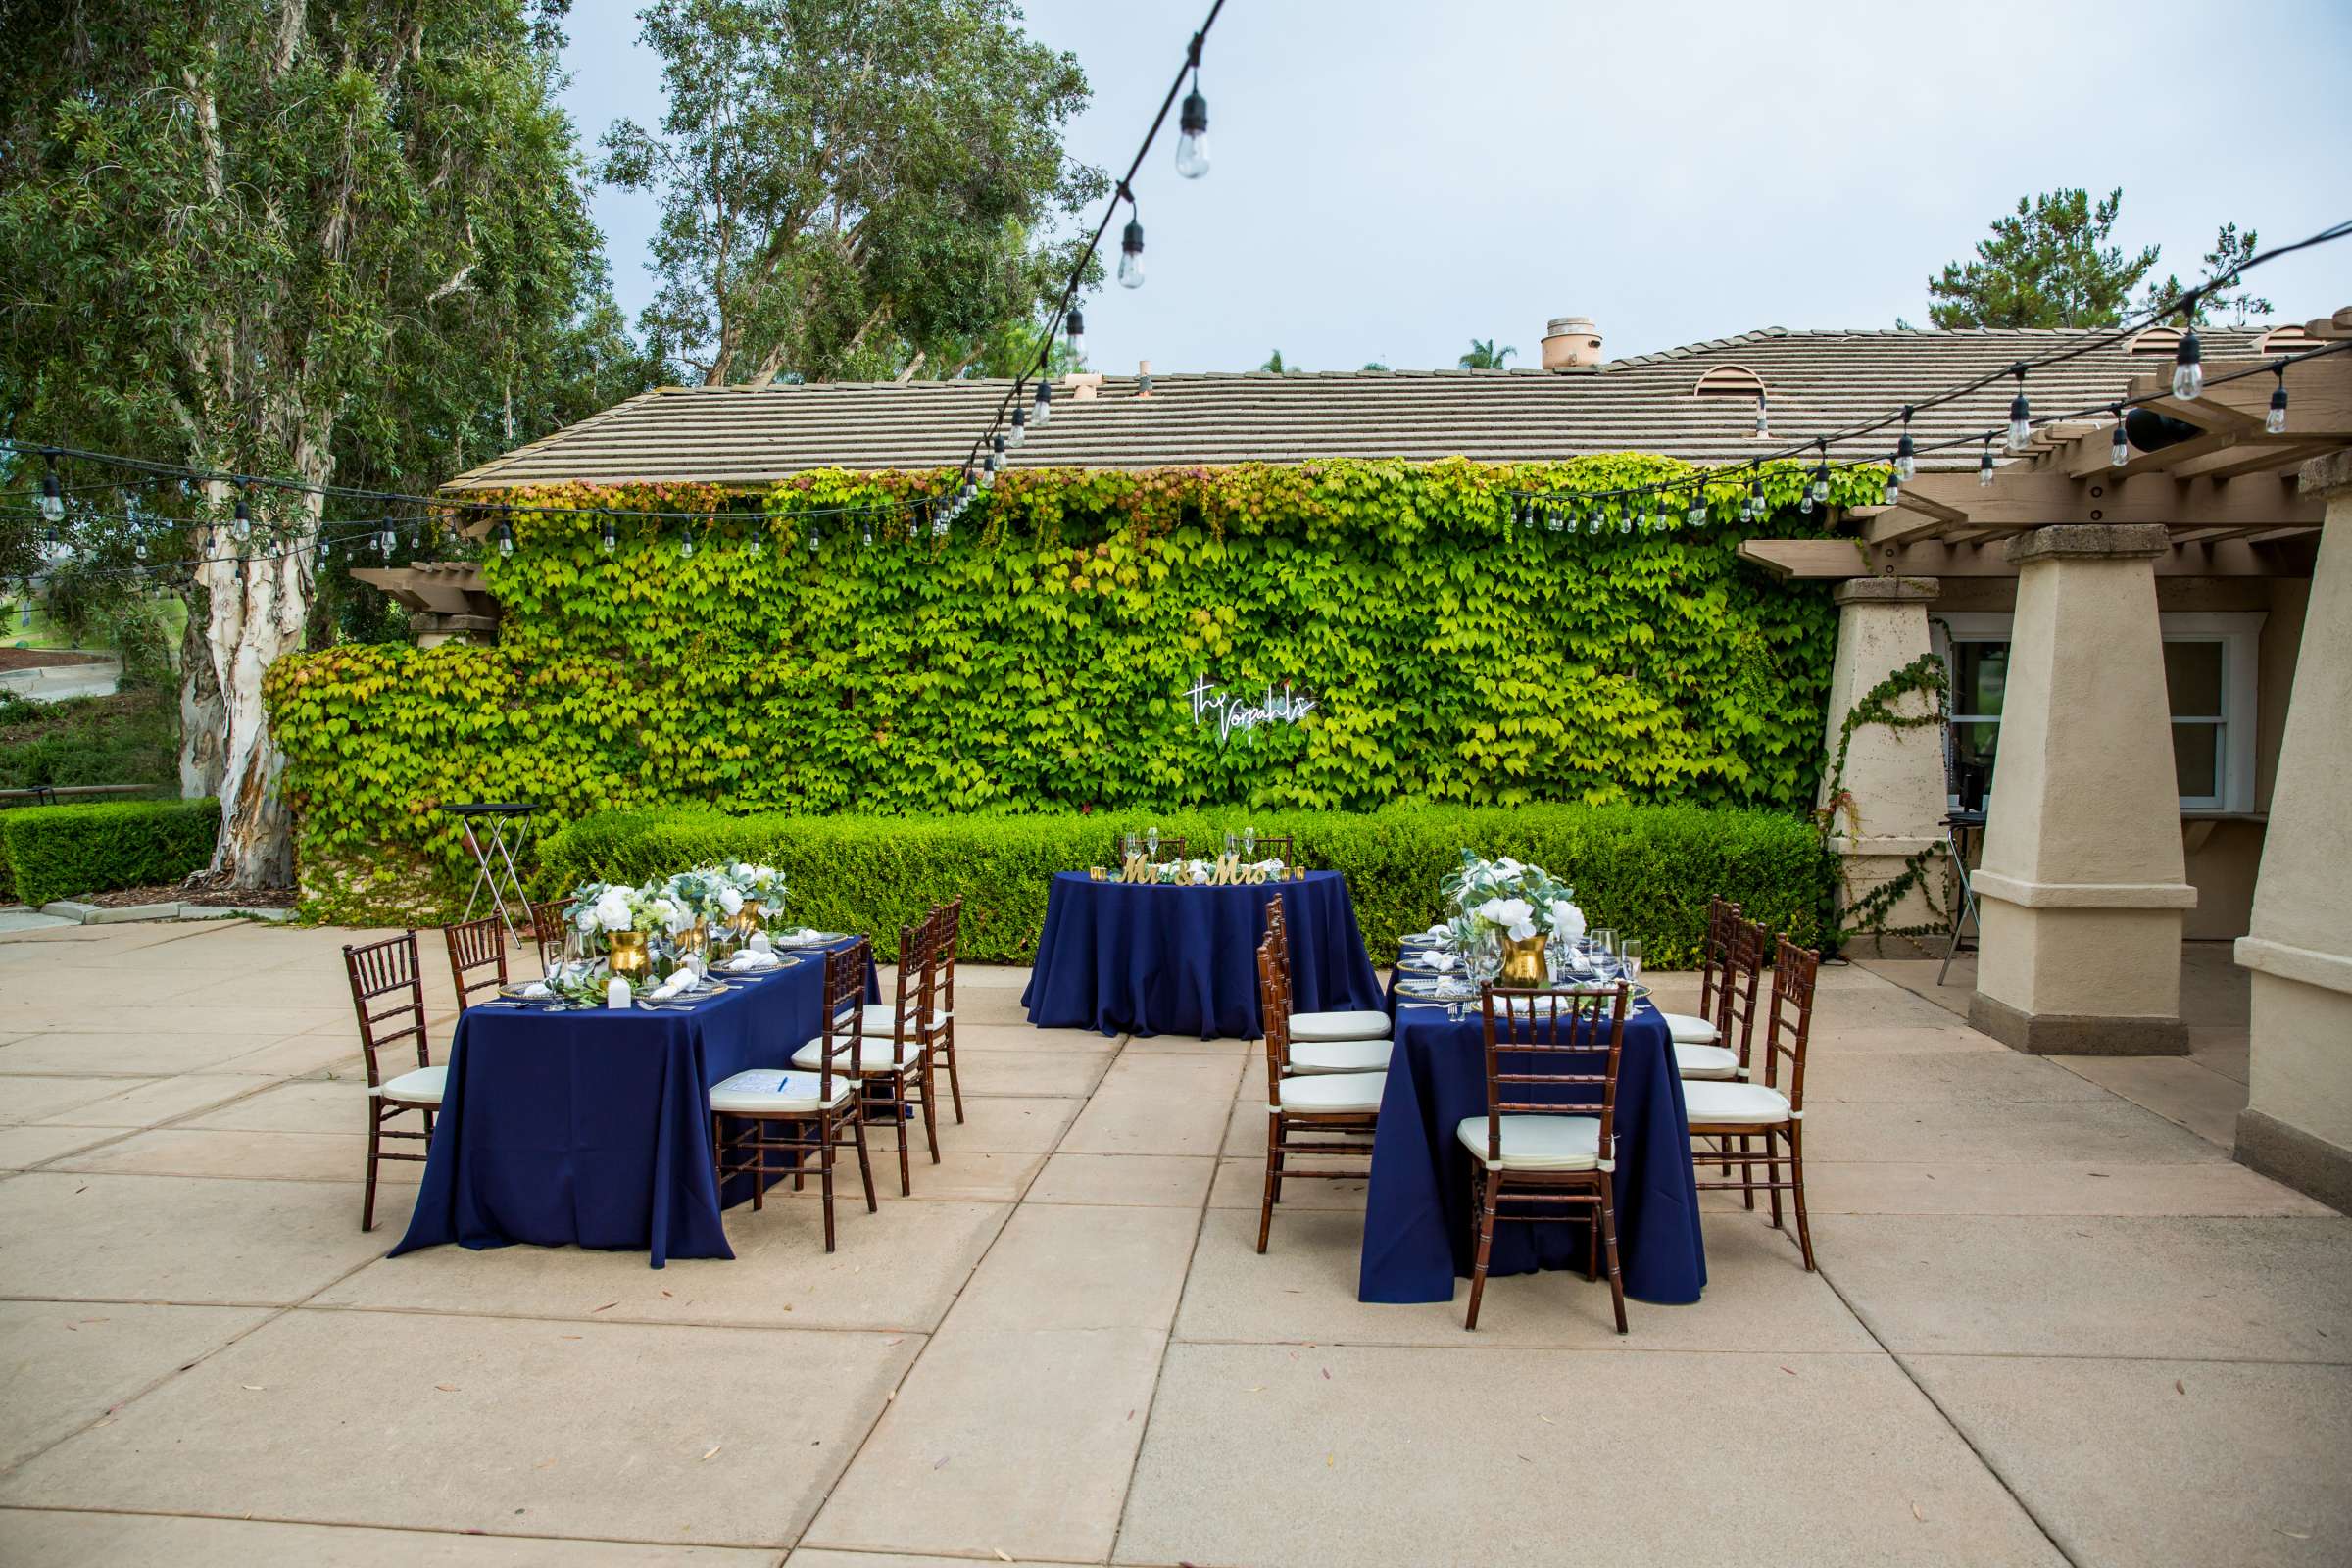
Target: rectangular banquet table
[(1418, 1236), (592, 1128), (1151, 959)]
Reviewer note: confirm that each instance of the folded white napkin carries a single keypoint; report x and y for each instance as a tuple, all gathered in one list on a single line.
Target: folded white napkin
[(681, 980), (537, 989), (1442, 962), (752, 959), (1438, 932)]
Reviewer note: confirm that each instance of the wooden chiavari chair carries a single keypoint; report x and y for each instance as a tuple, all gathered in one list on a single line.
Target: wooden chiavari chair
[(892, 1062), (1300, 1106), (1267, 844), (946, 935), (802, 1115), (388, 971), (1347, 1039), (477, 957), (1770, 1110), (1700, 1048), (1556, 1153), (549, 933)]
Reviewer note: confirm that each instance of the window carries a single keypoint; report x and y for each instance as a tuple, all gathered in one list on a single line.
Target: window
[(2209, 676)]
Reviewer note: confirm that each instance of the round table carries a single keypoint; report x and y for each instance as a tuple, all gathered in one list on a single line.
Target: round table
[(1149, 958)]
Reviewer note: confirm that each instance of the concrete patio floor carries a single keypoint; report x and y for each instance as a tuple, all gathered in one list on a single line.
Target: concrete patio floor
[(2050, 1326)]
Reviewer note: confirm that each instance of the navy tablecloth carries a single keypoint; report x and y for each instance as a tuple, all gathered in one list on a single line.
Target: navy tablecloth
[(593, 1128), (1418, 1232), (1148, 959)]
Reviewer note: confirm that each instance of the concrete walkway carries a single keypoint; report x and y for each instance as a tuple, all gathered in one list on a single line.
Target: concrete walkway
[(2051, 1327)]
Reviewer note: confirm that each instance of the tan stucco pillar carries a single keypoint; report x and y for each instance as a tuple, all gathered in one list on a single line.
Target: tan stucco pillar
[(2297, 1125), (2081, 886), (1893, 783)]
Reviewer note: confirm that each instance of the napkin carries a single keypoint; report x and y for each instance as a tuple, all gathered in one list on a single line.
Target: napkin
[(1442, 962), (681, 980), (536, 989), (752, 959), (1437, 932)]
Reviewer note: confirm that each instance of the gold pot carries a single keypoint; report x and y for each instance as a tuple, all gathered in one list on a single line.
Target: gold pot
[(1523, 963), (745, 921), (628, 957)]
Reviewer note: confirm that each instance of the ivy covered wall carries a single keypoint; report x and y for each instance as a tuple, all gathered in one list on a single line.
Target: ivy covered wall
[(1039, 658)]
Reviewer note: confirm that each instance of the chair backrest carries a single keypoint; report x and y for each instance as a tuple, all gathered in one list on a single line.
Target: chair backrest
[(845, 1011), (1269, 843), (548, 931), (1743, 981), (477, 957), (386, 973), (911, 991), (1171, 847), (1274, 1009), (1714, 959), (1790, 1018), (946, 934), (1540, 1039), (1274, 917)]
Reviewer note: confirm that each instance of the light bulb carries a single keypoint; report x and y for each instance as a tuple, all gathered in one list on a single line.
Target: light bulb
[(1020, 423), (1804, 502), (53, 500), (240, 527), (1985, 467), (1077, 324), (2275, 422), (1519, 512), (2188, 366), (607, 537), (1696, 517), (2119, 452), (1131, 255), (755, 545), (1894, 490), (1192, 147), (685, 543), (865, 535), (387, 539), (1906, 458), (1625, 518), (2021, 424), (1042, 409), (1820, 484), (505, 539), (814, 539)]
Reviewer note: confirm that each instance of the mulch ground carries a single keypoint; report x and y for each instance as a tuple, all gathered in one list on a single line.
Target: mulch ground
[(172, 893), (38, 658)]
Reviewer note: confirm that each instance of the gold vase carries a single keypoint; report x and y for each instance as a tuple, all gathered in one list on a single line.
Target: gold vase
[(627, 958), (1523, 963), (746, 920)]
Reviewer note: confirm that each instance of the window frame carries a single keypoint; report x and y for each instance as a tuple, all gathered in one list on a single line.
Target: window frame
[(2240, 633)]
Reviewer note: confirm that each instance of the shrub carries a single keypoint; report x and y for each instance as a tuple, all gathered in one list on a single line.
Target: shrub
[(1646, 872), (56, 852), (127, 738)]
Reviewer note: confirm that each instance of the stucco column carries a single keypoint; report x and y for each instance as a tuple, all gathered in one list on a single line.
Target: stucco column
[(2298, 1123), (1893, 788), (2081, 886)]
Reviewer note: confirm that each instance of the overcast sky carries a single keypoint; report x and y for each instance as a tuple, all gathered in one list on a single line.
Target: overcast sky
[(1395, 177)]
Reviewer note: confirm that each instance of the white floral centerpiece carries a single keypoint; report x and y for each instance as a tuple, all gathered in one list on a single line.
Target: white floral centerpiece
[(762, 887), (704, 895), (602, 908), (1513, 901)]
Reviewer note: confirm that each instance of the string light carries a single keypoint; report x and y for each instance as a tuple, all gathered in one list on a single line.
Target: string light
[(1751, 510), (2119, 450), (2021, 418), (1696, 517), (2188, 364), (1043, 410), (504, 533), (2275, 422), (1077, 330), (814, 539), (1984, 467), (607, 535), (1131, 249), (1191, 145), (387, 540), (241, 527), (685, 540), (1020, 421), (1906, 455), (53, 501), (1894, 490)]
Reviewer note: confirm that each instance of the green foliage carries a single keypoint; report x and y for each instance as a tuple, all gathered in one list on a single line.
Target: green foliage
[(123, 739), (1040, 661), (1485, 356), (1645, 871), (59, 852), (2223, 264), (2049, 264), (850, 190)]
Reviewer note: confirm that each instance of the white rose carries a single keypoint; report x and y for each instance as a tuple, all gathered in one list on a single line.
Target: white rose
[(1567, 920), (612, 911), (730, 900), (1521, 930)]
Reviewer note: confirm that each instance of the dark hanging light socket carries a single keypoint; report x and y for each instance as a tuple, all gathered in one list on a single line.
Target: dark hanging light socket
[(1906, 455), (1020, 421), (2275, 422), (2021, 417), (53, 499), (1131, 254), (607, 537), (2188, 366), (1076, 322), (1192, 121), (2119, 449)]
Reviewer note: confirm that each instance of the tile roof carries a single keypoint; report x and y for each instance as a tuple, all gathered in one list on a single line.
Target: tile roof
[(1645, 403)]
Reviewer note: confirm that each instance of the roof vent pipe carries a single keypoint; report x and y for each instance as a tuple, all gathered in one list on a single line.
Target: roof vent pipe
[(1570, 343)]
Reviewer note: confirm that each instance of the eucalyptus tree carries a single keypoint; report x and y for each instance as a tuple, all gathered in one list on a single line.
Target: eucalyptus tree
[(851, 188), (304, 238)]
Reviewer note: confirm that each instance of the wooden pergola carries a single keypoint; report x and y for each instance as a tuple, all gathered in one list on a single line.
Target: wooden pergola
[(2228, 495)]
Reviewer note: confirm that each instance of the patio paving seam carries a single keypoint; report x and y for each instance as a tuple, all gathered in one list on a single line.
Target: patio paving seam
[(896, 1330), (1160, 1373), (778, 1553)]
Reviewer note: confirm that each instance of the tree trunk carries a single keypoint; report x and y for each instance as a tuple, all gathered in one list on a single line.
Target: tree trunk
[(202, 718), (257, 607)]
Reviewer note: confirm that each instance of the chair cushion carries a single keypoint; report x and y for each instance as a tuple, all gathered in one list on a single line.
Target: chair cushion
[(1340, 1055), (1712, 1103), (874, 1054), (1689, 1029), (1704, 1062), (1333, 1093), (1538, 1142), (765, 1092), (422, 1087), (1350, 1025)]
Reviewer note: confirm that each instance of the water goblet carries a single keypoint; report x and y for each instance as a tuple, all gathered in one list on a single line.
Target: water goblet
[(1629, 958)]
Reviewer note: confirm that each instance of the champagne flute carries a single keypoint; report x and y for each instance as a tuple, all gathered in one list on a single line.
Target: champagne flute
[(1249, 841), (1230, 843), (1152, 840)]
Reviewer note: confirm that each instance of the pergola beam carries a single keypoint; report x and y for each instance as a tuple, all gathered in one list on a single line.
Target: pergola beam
[(2201, 553)]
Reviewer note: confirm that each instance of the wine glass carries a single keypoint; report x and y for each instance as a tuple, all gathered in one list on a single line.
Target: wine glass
[(1629, 957), (1152, 840), (1605, 951), (1132, 845), (1249, 841)]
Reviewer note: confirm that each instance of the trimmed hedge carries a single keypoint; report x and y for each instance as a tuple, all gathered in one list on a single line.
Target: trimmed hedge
[(1645, 871), (59, 852)]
